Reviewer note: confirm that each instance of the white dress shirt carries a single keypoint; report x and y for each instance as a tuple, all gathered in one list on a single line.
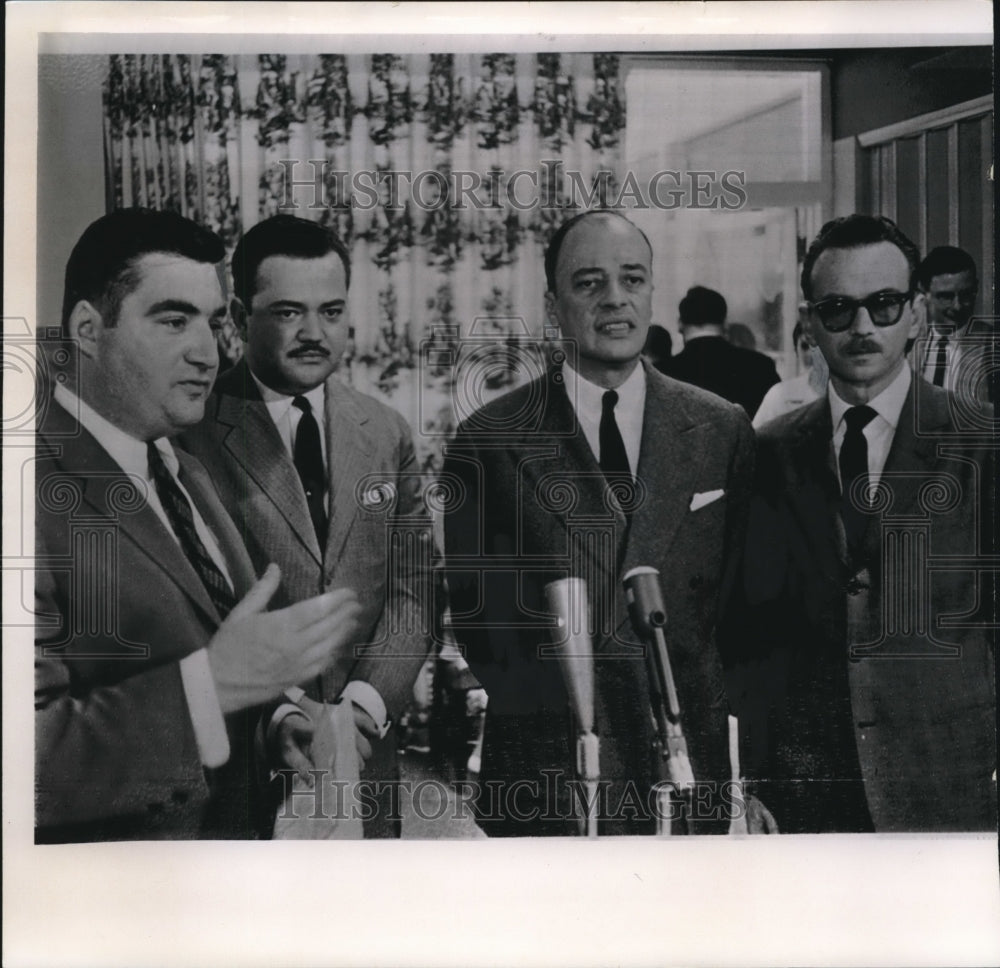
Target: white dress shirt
[(286, 419), (880, 430), (586, 399), (130, 455), (951, 352)]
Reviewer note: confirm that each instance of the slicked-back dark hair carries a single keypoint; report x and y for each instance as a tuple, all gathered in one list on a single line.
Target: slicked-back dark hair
[(555, 243), (288, 235), (852, 232), (703, 306), (945, 260), (101, 267)]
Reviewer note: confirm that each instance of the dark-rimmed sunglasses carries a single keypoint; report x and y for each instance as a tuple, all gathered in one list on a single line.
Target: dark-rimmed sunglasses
[(837, 313)]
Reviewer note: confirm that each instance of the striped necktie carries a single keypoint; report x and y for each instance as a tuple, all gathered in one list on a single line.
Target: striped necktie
[(181, 517)]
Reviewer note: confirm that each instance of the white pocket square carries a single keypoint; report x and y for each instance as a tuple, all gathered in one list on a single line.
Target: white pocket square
[(705, 497)]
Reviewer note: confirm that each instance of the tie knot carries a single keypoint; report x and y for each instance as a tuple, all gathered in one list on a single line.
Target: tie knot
[(302, 404), (609, 401), (857, 418)]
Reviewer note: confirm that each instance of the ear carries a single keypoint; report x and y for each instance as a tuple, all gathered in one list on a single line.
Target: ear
[(85, 327), (550, 310), (809, 324), (918, 314), (239, 314)]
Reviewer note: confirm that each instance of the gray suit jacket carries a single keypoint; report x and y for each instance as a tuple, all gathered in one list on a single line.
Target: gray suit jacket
[(868, 691), (379, 541), (118, 605), (531, 506)]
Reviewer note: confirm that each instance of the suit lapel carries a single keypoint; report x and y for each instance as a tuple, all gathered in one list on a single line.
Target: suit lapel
[(910, 456), (814, 488), (88, 464), (669, 483), (349, 457), (254, 442)]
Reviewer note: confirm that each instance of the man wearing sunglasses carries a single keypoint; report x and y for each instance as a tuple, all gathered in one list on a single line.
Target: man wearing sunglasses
[(867, 698)]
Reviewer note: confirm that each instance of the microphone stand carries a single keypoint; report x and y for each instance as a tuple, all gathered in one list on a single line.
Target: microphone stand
[(649, 618), (573, 647)]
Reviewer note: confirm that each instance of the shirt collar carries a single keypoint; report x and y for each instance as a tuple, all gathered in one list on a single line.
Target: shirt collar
[(587, 397), (888, 404), (278, 404), (128, 452)]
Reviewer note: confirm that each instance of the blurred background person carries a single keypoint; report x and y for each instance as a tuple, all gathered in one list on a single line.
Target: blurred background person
[(807, 385), (709, 361), (659, 347), (950, 283)]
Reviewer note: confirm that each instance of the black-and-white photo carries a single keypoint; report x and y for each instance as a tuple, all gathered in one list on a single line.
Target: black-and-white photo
[(591, 439)]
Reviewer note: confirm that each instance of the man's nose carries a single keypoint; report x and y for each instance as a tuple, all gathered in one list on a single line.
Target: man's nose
[(862, 322), (614, 293), (311, 329), (203, 349)]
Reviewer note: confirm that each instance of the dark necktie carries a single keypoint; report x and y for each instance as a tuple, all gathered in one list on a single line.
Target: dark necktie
[(309, 463), (854, 465), (613, 459), (181, 519), (940, 361)]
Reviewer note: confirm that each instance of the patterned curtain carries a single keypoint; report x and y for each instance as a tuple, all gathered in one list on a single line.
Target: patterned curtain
[(398, 142)]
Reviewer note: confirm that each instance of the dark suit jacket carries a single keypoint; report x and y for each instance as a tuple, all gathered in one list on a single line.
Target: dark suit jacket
[(379, 541), (118, 605), (868, 693), (530, 506), (740, 375)]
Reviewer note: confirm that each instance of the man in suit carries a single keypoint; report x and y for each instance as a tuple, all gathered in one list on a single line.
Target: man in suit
[(867, 690), (711, 362), (152, 640), (954, 351), (322, 480), (598, 466)]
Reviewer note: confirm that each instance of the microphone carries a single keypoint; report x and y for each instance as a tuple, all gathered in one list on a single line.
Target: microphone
[(566, 598), (649, 619)]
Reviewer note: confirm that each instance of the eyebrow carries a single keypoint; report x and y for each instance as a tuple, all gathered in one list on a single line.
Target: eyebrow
[(181, 306), (631, 266)]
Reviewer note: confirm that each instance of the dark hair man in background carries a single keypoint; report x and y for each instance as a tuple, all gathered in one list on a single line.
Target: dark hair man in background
[(318, 477), (865, 708), (152, 636), (711, 362), (535, 475), (953, 355)]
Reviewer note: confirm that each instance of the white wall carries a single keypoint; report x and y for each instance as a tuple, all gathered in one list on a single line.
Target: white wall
[(70, 166)]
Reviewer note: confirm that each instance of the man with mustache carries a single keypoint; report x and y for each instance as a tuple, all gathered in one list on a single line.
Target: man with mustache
[(867, 691), (598, 466), (953, 354), (323, 480), (154, 649)]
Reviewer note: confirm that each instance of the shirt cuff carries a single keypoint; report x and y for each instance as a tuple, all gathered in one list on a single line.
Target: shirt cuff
[(365, 695), (204, 709)]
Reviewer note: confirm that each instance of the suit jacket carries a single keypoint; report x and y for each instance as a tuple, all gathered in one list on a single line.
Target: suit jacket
[(118, 605), (867, 690), (737, 374), (378, 543), (971, 372), (530, 506)]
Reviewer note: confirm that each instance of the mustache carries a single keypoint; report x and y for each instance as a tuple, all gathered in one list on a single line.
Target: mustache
[(308, 349), (862, 345)]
